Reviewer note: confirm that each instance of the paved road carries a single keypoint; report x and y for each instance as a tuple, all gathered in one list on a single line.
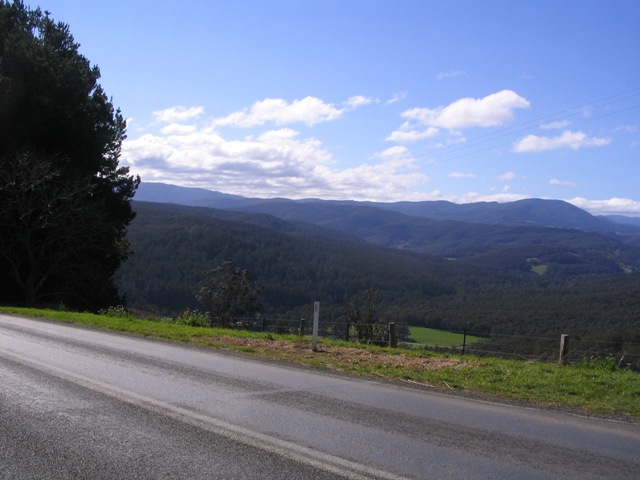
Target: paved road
[(80, 403)]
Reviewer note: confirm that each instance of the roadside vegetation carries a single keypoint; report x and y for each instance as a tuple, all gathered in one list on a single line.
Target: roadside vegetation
[(588, 387)]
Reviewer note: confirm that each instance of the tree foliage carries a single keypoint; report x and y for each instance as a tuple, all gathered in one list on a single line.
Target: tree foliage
[(65, 201), (362, 312), (228, 291)]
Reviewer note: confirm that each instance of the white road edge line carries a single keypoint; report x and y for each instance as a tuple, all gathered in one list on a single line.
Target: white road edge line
[(298, 453)]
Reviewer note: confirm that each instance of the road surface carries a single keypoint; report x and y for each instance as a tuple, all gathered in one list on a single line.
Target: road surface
[(81, 403)]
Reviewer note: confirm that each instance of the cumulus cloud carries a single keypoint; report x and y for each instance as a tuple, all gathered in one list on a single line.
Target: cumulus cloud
[(359, 101), (505, 177), (568, 139), (561, 183), (309, 110), (276, 162), (406, 133), (612, 206), (489, 111)]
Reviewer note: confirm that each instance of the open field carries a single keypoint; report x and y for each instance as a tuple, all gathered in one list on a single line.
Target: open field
[(440, 338), (588, 388)]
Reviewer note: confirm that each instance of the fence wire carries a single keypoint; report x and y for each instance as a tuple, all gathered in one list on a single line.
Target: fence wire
[(523, 347)]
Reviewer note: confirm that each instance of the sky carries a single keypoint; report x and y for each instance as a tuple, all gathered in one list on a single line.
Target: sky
[(382, 100)]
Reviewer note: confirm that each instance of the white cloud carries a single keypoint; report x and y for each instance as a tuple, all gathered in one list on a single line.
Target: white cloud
[(492, 110), (177, 114), (561, 183), (309, 110), (359, 101), (396, 97), (505, 177), (394, 152), (275, 163), (407, 134), (452, 74), (612, 206), (568, 139)]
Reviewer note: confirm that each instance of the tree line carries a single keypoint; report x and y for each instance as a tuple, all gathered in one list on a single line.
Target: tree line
[(64, 198)]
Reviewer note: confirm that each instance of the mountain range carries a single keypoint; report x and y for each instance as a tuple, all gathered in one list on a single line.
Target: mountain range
[(533, 235)]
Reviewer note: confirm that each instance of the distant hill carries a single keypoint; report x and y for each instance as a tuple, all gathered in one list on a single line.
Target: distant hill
[(635, 221), (548, 237), (528, 212)]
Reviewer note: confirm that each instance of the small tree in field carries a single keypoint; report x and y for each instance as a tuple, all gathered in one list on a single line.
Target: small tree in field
[(226, 292), (362, 312)]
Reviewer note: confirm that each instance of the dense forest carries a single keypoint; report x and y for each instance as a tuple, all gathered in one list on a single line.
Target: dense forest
[(298, 263)]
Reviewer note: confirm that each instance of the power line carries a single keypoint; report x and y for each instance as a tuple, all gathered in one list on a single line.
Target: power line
[(538, 122)]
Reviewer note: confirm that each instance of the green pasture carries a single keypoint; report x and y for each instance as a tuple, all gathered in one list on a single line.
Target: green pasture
[(439, 338)]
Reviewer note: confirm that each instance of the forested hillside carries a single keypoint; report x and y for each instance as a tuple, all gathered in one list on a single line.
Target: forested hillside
[(173, 245), (301, 263), (546, 237)]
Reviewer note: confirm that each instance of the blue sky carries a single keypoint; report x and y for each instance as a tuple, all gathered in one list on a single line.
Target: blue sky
[(375, 100)]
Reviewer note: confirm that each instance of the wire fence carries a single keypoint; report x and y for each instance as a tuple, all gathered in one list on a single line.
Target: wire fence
[(523, 347), (546, 348)]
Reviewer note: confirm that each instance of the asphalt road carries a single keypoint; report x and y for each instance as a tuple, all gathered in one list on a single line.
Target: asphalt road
[(81, 403)]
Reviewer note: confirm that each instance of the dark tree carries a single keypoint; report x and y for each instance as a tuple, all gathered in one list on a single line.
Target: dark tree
[(228, 291), (65, 202), (362, 313)]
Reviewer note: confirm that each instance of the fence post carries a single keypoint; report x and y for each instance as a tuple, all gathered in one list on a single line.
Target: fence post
[(393, 338), (564, 348), (348, 327), (316, 320), (464, 341), (301, 331), (264, 324)]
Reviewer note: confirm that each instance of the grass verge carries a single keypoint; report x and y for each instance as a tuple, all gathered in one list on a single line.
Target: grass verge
[(587, 387)]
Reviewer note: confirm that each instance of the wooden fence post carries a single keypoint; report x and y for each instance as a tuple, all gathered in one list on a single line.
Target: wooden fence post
[(464, 342), (301, 331), (564, 348), (393, 338), (316, 321)]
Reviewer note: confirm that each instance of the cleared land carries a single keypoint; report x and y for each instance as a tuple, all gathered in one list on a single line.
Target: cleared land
[(439, 338)]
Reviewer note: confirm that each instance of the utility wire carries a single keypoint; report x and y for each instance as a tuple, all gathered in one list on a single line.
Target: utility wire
[(531, 124)]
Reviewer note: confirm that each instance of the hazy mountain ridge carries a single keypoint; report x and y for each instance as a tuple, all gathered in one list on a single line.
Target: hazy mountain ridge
[(528, 212), (518, 236)]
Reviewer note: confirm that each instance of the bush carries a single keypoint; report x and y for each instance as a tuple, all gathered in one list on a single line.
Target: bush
[(193, 318)]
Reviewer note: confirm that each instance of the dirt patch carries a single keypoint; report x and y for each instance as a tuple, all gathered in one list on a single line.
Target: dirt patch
[(347, 356)]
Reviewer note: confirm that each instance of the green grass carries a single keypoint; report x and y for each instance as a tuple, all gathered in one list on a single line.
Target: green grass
[(440, 338), (590, 387), (540, 269)]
